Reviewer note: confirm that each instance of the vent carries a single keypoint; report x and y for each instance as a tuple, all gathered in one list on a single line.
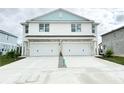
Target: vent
[(60, 15)]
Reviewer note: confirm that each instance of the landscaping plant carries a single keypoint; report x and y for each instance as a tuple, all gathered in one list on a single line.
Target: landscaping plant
[(109, 53)]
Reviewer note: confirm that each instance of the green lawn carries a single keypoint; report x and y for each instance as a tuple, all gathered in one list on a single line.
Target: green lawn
[(115, 59), (6, 60)]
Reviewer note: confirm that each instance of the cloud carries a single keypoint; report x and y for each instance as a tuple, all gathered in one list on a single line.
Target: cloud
[(120, 18)]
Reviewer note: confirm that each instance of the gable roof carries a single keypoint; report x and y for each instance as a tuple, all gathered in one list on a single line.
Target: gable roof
[(4, 32), (59, 15), (113, 30)]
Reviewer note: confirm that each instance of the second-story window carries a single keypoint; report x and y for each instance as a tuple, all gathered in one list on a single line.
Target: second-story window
[(75, 27), (7, 37), (26, 29), (43, 27), (93, 28)]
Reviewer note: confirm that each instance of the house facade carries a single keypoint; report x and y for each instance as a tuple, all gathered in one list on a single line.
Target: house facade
[(7, 42), (59, 30), (114, 40)]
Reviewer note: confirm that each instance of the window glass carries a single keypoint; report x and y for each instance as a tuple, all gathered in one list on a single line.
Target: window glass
[(75, 27), (93, 28), (78, 27), (43, 27), (46, 27), (26, 29)]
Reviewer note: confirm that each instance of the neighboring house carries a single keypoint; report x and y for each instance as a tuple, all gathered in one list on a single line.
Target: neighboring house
[(114, 40), (59, 30), (7, 42)]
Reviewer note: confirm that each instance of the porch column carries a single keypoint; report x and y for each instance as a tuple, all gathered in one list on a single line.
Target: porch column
[(28, 48), (60, 46), (22, 49), (95, 48)]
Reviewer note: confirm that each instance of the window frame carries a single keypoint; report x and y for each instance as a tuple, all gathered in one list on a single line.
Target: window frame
[(26, 28), (93, 28), (44, 27), (75, 27)]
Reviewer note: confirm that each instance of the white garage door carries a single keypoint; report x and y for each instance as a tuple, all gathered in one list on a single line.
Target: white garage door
[(44, 49), (76, 49)]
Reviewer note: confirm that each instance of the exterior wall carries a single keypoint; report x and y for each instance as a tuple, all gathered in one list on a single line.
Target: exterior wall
[(60, 29), (7, 38), (59, 24), (7, 42), (114, 40)]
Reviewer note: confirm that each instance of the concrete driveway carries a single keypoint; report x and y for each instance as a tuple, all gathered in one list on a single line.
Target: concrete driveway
[(45, 70)]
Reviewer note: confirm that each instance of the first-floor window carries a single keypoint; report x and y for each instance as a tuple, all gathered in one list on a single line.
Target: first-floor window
[(43, 27), (75, 27)]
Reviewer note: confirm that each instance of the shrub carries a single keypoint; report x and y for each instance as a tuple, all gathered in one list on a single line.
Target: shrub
[(108, 53), (0, 53), (11, 54)]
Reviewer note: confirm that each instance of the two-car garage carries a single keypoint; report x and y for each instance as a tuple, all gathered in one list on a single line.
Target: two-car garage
[(67, 48)]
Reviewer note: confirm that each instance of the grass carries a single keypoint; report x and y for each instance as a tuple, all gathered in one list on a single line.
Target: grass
[(115, 59), (6, 60)]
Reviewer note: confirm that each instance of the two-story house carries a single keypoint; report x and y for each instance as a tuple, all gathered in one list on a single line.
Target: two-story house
[(59, 30), (7, 42)]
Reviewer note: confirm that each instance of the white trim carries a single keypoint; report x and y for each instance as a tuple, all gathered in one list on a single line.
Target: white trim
[(54, 38), (76, 42), (50, 42), (58, 21)]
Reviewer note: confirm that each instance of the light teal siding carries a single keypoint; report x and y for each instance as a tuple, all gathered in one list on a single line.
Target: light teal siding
[(60, 15)]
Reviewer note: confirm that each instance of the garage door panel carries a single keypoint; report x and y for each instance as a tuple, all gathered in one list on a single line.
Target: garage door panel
[(52, 49), (44, 49), (78, 49)]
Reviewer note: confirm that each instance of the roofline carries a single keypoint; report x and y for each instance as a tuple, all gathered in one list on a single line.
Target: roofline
[(74, 14), (23, 23), (60, 36), (58, 21), (63, 10), (32, 20), (4, 32), (43, 14), (57, 10), (113, 30)]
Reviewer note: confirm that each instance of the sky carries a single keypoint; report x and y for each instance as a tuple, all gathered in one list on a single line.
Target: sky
[(108, 18)]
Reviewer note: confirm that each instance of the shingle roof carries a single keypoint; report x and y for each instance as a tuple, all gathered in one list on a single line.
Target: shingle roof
[(113, 30), (4, 32)]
